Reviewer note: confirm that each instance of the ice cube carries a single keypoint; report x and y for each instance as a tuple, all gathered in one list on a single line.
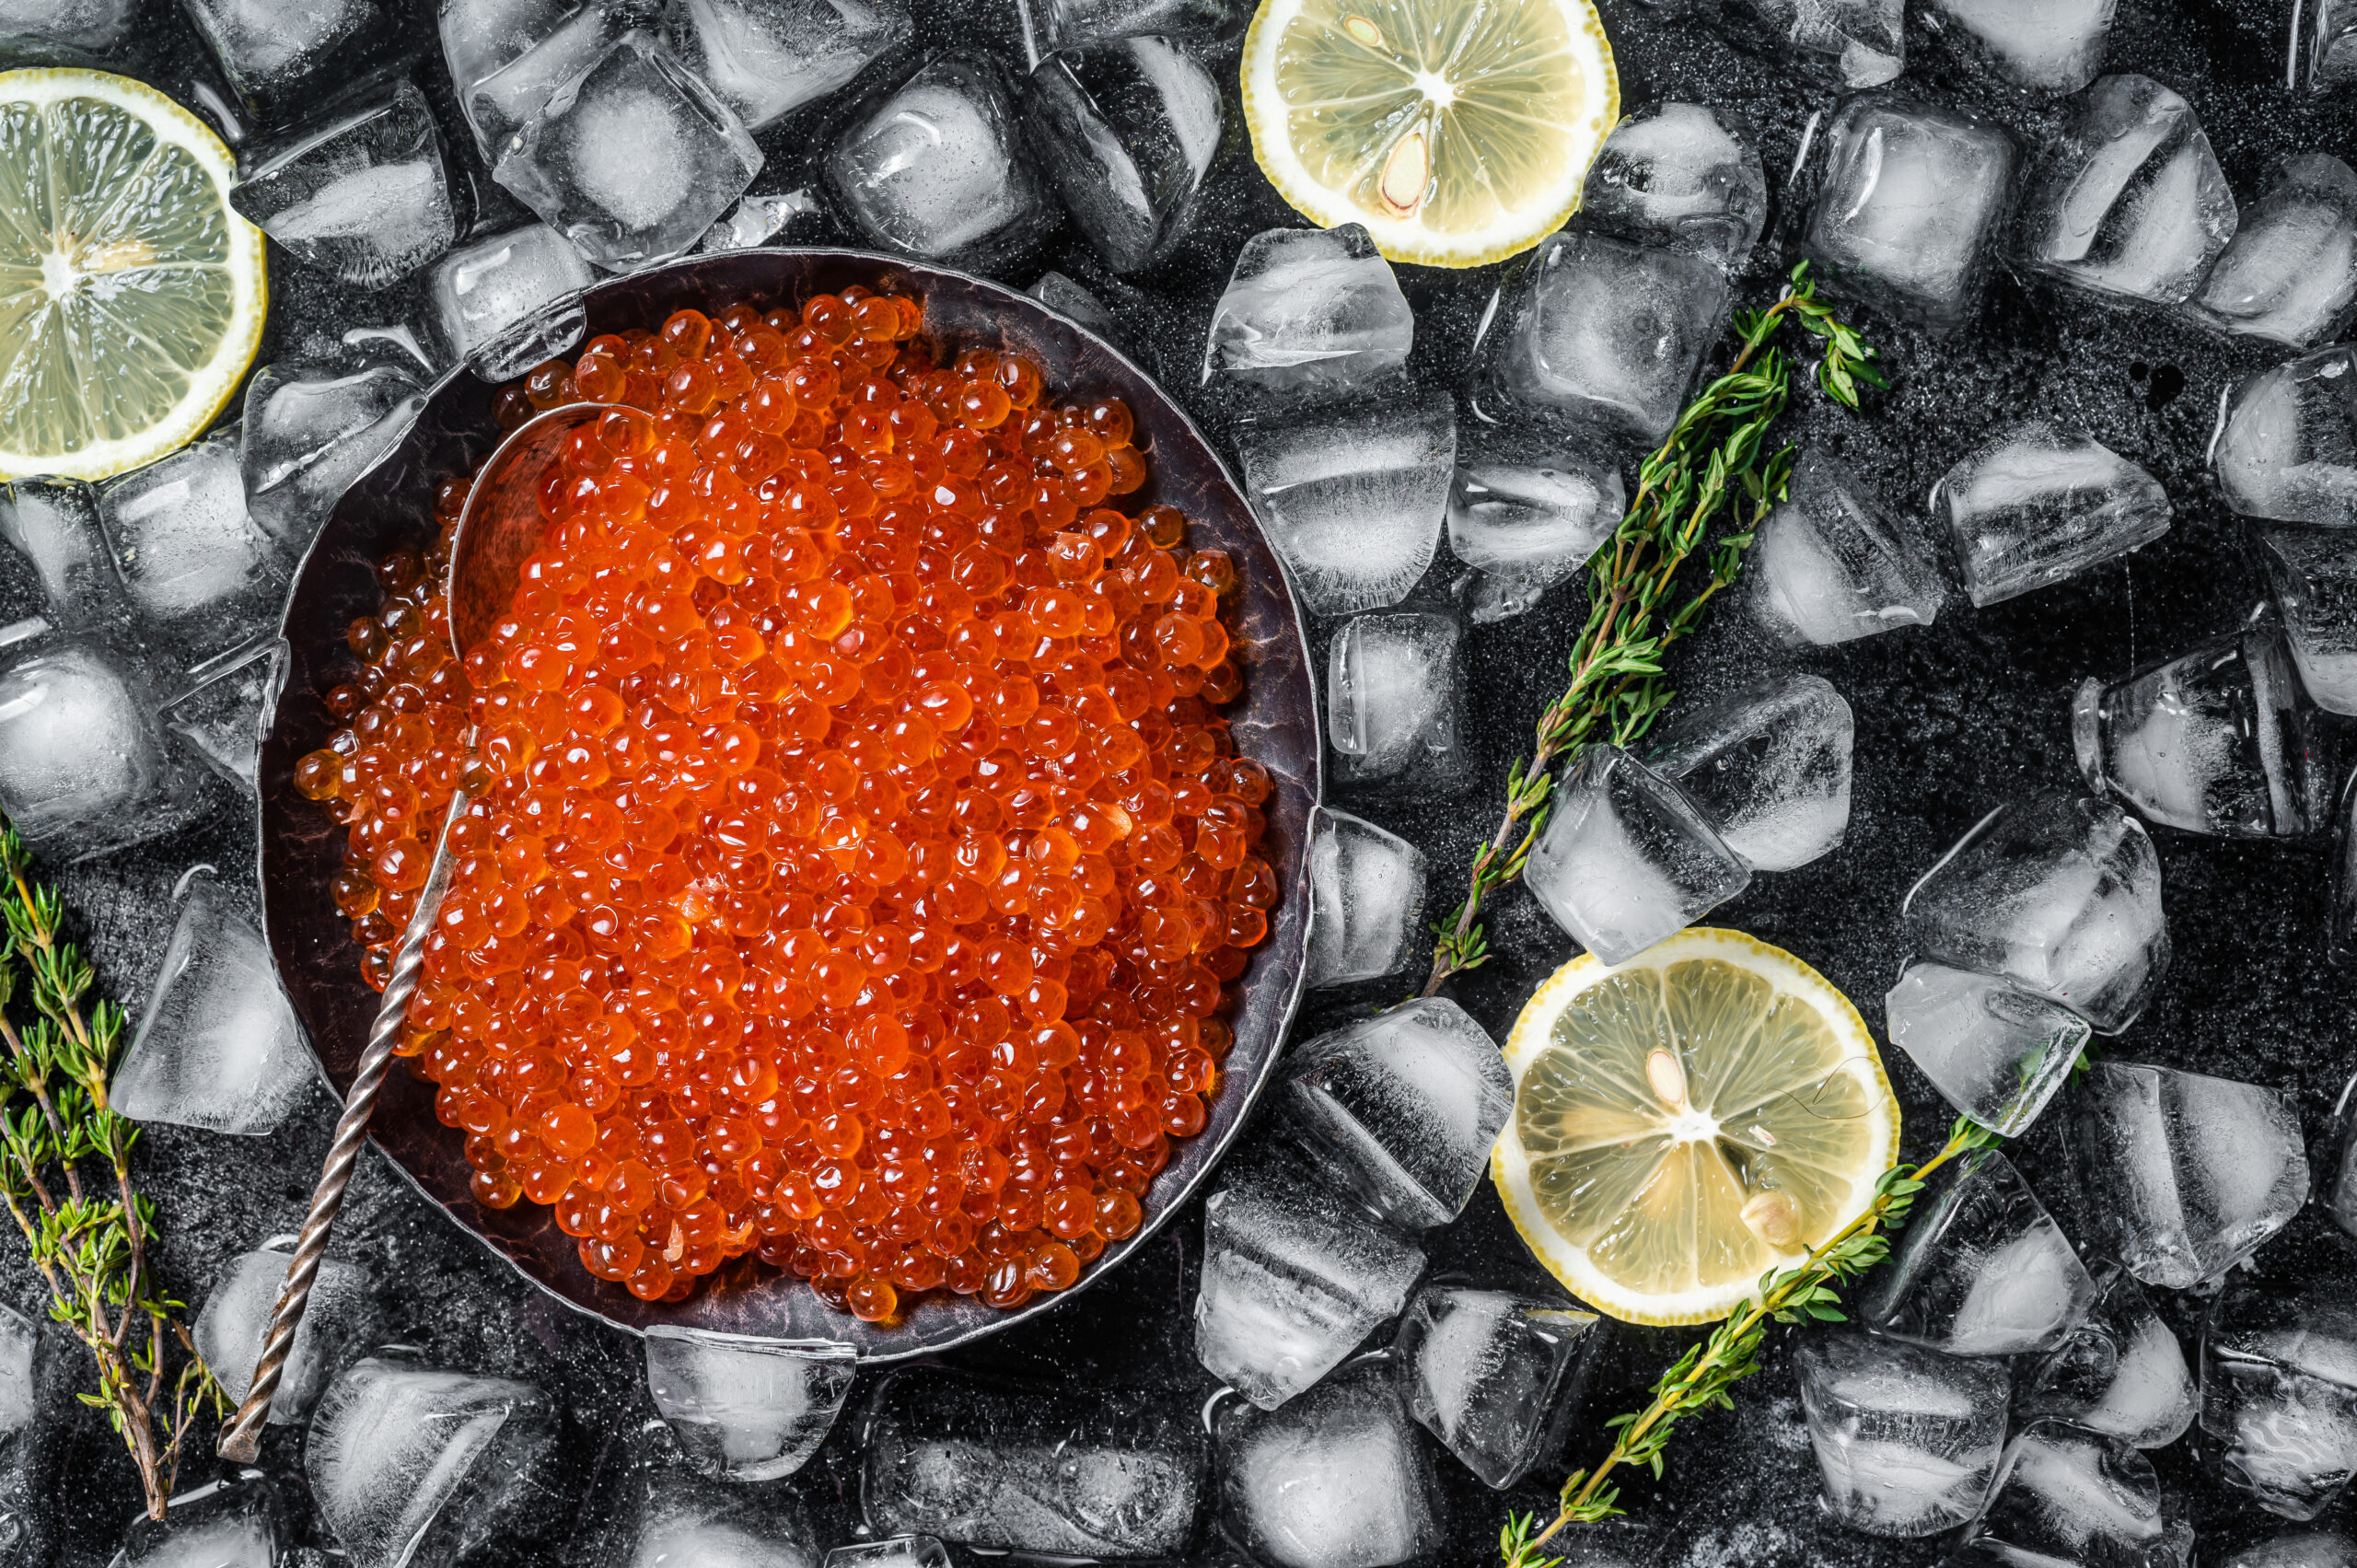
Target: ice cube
[(1404, 1108), (218, 1046), (2062, 896), (939, 170), (1494, 1375), (83, 767), (892, 1551), (235, 1323), (411, 1463), (1340, 1479), (1294, 1277), (234, 1523), (2287, 446), (193, 561), (2219, 740), (365, 195), (1982, 1269), (1909, 198), (1907, 1439), (751, 1410), (1127, 129), (2121, 1372), (1070, 23), (1604, 333), (1368, 887), (678, 1521), (272, 50), (2036, 505), (503, 101), (1860, 43), (1996, 1052), (1682, 176), (2279, 1384), (224, 715), (2048, 48), (2293, 1548), (41, 1371), (1309, 311), (65, 31), (309, 434), (633, 159), (1768, 764), (2186, 1173), (767, 58), (53, 525), (1395, 698), (757, 220), (480, 37), (2067, 1496), (1532, 525), (2290, 273), (1352, 499), (1626, 858), (506, 303), (2330, 56), (1062, 1470), (1829, 565), (1066, 297), (2131, 198)]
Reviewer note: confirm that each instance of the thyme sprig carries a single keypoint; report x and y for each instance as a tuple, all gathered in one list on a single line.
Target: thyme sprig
[(1700, 1380), (90, 1241), (1715, 459)]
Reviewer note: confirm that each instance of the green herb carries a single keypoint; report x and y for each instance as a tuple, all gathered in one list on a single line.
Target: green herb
[(1715, 459), (90, 1243), (1802, 1294)]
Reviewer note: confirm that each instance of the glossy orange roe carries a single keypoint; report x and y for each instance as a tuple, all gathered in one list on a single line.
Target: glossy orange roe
[(856, 857)]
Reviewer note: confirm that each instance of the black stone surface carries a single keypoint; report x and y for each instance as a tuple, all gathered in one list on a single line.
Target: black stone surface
[(1950, 721)]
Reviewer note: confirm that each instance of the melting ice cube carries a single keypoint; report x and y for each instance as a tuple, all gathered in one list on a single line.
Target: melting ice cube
[(365, 196), (1683, 176), (1127, 129), (2035, 505), (1907, 1439), (2064, 1495), (750, 1410), (1982, 1270), (1530, 525), (938, 170), (1768, 764), (235, 1523), (224, 714), (2290, 273), (83, 767), (1626, 858), (236, 1319), (1339, 1479), (1395, 694), (1309, 311), (1352, 499), (308, 433), (193, 561), (2287, 448), (1495, 1376), (1996, 1052), (1829, 565), (1369, 889), (2121, 1372), (2056, 47), (501, 304), (766, 58)]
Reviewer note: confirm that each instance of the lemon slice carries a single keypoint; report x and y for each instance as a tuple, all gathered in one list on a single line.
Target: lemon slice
[(130, 296), (1459, 132), (1686, 1121)]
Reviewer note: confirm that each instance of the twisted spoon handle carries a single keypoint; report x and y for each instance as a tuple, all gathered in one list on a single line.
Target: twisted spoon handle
[(241, 1440)]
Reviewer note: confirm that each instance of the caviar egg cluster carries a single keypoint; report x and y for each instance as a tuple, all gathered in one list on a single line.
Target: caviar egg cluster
[(855, 856)]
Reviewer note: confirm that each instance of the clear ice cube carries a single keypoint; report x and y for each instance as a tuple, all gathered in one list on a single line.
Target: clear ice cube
[(272, 50), (2034, 506), (2287, 446), (366, 195), (1682, 176), (1495, 1376), (1368, 889), (2290, 273), (411, 1463), (1995, 1052), (1982, 1269), (750, 1410), (632, 160), (2129, 200), (65, 31), (224, 715), (2052, 47), (2292, 1549), (1066, 297), (2329, 55), (1626, 858), (1127, 130), (501, 304), (2067, 1496), (2279, 1384), (218, 1046), (503, 101), (678, 1521), (1768, 763), (1909, 199), (892, 1551), (311, 433), (1060, 1469), (1352, 499), (2219, 740), (53, 525), (1528, 525), (2312, 577), (2186, 1174), (41, 1371), (235, 1321), (2062, 896), (234, 1523), (1404, 1108), (84, 768), (1339, 1479), (767, 58), (1604, 333), (1309, 311), (481, 37), (195, 562), (1070, 23), (1395, 699), (1294, 1277), (2121, 1372), (938, 170), (1907, 1439), (1828, 564)]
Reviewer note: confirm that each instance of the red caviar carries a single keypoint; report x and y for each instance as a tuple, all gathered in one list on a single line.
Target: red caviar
[(856, 856)]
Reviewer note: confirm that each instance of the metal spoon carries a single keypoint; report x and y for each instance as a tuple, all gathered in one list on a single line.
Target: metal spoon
[(499, 527)]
